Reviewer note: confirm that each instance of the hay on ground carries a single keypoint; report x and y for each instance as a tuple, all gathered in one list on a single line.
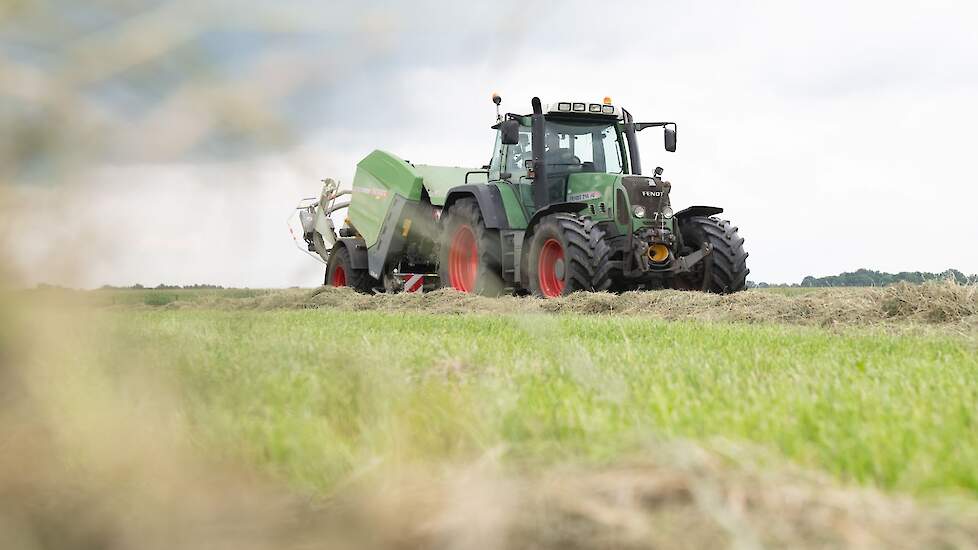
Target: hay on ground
[(932, 302)]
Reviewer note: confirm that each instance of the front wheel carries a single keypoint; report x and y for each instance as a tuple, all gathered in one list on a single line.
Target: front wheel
[(724, 270), (567, 254)]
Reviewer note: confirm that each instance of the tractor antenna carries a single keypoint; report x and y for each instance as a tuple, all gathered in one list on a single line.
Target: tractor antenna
[(497, 100)]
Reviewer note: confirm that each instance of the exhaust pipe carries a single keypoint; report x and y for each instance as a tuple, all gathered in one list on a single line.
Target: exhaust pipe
[(541, 191)]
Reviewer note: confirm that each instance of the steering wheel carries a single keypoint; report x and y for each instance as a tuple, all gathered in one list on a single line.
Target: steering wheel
[(517, 160)]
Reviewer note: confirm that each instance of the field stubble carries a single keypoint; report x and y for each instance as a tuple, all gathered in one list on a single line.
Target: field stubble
[(930, 303)]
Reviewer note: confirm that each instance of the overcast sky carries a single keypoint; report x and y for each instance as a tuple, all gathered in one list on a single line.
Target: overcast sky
[(836, 135)]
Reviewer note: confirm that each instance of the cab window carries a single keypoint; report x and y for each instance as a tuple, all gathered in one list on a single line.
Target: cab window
[(518, 154), (497, 158)]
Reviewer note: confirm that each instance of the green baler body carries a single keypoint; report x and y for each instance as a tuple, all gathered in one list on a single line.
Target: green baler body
[(381, 175)]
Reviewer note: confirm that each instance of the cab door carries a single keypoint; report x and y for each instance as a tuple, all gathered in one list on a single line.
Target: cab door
[(515, 161)]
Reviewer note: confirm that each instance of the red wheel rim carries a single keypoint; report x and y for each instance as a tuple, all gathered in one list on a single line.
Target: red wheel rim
[(339, 276), (463, 259), (550, 268)]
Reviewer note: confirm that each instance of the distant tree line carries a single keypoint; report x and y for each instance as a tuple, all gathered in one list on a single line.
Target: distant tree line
[(869, 277), (138, 286)]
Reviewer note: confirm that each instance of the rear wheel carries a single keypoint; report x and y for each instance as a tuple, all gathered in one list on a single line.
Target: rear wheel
[(567, 254), (724, 270), (470, 253), (340, 272)]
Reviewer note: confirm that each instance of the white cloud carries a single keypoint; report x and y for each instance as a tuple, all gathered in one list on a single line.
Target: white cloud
[(838, 135)]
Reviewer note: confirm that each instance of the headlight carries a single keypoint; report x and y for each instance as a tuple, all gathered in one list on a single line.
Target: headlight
[(639, 211), (667, 212)]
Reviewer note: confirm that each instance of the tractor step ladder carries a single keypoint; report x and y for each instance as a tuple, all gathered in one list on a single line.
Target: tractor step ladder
[(512, 244)]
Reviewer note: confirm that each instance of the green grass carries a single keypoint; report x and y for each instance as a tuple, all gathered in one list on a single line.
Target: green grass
[(318, 396)]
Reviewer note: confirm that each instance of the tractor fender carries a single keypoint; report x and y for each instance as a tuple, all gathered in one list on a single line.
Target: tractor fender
[(357, 248), (568, 207), (705, 211), (490, 203)]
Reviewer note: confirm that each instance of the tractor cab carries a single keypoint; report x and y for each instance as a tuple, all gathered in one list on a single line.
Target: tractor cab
[(585, 149), (584, 138), (578, 138)]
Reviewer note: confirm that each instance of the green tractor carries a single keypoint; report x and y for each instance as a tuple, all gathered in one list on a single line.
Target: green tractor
[(561, 207)]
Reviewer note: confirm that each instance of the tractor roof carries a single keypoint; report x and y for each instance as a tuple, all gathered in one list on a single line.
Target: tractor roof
[(582, 108)]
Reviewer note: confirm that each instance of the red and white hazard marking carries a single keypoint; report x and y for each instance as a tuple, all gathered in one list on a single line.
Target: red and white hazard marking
[(413, 282)]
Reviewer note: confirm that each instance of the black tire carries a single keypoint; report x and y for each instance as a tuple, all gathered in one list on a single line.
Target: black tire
[(469, 258), (604, 268), (567, 254), (724, 270), (340, 272)]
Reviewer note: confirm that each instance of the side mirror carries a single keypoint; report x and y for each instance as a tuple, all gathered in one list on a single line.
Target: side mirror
[(669, 131), (511, 131)]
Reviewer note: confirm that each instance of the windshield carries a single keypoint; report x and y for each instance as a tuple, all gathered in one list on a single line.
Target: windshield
[(571, 147), (582, 147)]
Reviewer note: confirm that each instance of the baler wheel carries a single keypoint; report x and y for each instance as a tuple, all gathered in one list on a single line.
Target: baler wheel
[(340, 272), (339, 276)]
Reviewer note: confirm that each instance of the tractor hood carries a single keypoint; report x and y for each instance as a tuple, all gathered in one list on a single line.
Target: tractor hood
[(592, 188), (615, 197)]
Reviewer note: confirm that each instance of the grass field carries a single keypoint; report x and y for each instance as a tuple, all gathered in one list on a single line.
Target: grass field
[(325, 391), (315, 394)]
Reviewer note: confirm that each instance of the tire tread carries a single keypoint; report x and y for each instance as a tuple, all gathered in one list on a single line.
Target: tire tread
[(729, 259)]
